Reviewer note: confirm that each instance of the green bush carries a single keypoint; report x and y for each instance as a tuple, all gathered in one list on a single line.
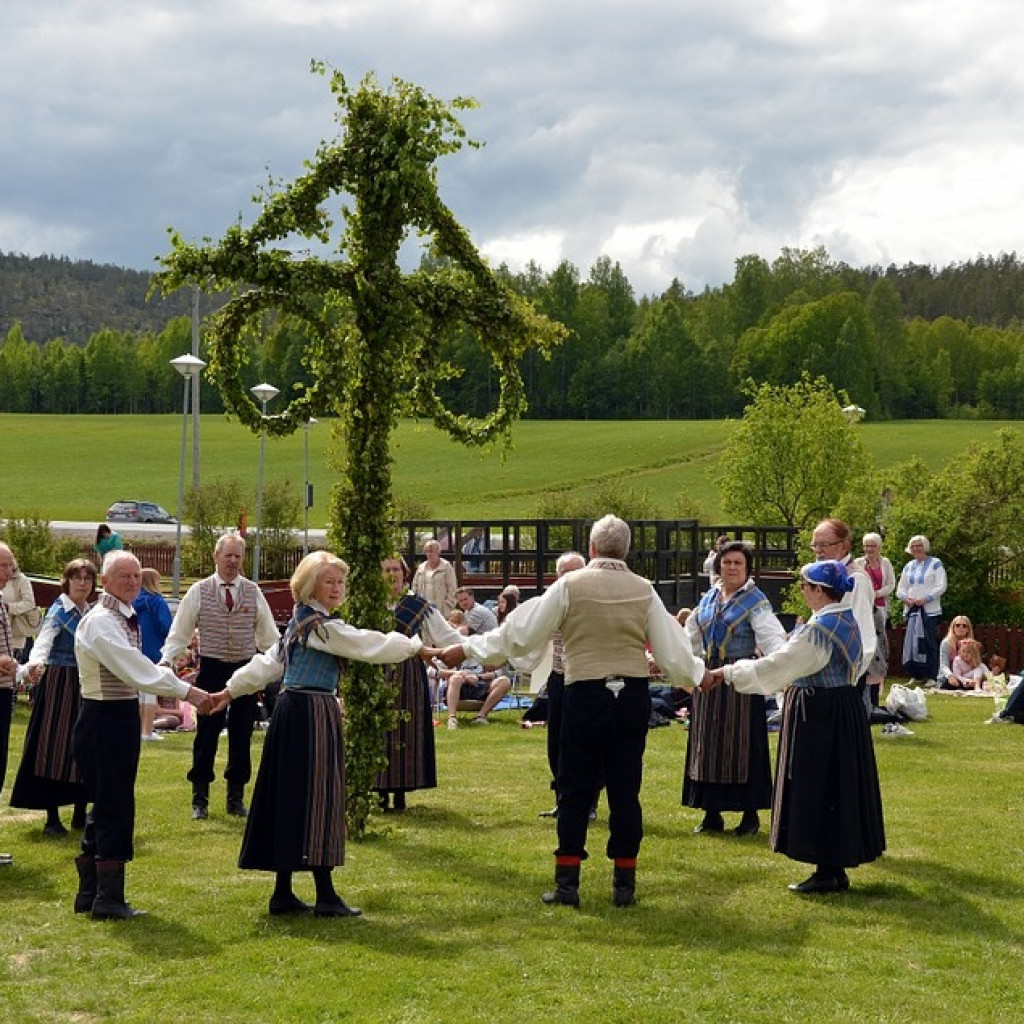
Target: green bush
[(35, 547)]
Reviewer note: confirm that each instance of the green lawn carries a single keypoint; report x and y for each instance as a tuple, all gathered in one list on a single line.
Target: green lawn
[(73, 467), (454, 930)]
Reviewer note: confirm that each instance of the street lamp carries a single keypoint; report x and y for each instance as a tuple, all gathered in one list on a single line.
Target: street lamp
[(263, 394), (308, 496), (189, 367)]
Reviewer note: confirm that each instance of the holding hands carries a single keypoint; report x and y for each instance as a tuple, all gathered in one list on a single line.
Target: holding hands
[(453, 656), (428, 654), (200, 700), (712, 677), (219, 702), (8, 666)]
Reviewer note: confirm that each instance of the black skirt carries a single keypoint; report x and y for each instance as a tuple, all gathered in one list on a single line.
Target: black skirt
[(297, 817), (409, 747), (48, 776), (828, 805)]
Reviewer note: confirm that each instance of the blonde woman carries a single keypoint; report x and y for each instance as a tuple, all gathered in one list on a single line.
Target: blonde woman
[(960, 629), (297, 818)]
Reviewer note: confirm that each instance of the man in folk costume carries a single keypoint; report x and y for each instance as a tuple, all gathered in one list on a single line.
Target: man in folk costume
[(234, 622), (607, 615), (112, 670)]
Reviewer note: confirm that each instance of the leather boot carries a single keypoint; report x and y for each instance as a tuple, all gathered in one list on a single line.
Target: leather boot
[(623, 886), (110, 904), (235, 805), (200, 801), (567, 886), (86, 895)]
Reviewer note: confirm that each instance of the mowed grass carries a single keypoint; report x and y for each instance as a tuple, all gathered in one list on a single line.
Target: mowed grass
[(454, 929), (73, 467)]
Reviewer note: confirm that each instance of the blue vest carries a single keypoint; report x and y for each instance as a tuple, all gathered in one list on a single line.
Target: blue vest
[(305, 667), (62, 653), (725, 629), (838, 632)]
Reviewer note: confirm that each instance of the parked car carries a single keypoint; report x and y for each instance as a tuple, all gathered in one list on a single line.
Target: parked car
[(139, 512)]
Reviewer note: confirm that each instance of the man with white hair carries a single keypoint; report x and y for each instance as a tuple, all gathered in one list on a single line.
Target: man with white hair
[(607, 615), (112, 670), (8, 669), (234, 622)]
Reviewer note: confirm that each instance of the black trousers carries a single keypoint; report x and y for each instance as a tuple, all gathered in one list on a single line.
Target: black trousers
[(556, 691), (240, 717), (107, 742), (603, 737), (6, 710)]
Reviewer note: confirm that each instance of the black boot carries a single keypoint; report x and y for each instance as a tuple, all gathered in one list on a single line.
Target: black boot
[(110, 904), (235, 805), (567, 886), (200, 801), (749, 824), (623, 886), (86, 895)]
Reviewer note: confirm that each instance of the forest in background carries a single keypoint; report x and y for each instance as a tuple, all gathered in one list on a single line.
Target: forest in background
[(904, 342)]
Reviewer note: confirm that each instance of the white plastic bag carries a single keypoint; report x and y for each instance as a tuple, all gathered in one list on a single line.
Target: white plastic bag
[(902, 700)]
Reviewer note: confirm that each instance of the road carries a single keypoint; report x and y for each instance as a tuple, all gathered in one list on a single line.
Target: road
[(145, 531)]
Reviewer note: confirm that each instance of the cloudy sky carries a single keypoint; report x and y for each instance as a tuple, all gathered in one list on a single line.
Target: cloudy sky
[(672, 135)]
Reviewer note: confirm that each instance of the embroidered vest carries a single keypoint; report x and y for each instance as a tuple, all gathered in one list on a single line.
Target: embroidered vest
[(62, 652), (726, 631), (838, 632), (112, 687), (305, 667), (410, 612)]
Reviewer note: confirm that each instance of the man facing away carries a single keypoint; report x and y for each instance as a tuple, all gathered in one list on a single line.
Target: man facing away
[(607, 615), (112, 670), (234, 623)]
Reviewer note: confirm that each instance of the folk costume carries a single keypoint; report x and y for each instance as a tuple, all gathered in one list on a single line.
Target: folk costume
[(728, 767), (6, 690), (48, 776), (923, 579), (607, 615), (112, 670), (234, 622), (297, 818), (409, 747), (827, 807)]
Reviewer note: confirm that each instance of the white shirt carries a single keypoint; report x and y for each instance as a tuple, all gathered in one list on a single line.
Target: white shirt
[(861, 601), (100, 640), (532, 624), (179, 639), (335, 637)]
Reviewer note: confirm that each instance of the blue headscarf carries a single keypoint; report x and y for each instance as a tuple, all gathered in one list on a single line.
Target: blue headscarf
[(830, 573)]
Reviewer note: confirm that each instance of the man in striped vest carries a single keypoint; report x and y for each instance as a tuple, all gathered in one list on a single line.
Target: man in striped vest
[(8, 668), (112, 670), (234, 623)]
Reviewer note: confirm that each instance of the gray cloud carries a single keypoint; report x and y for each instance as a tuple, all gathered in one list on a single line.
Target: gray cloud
[(675, 136)]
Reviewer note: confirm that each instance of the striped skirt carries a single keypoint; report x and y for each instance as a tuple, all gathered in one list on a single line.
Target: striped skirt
[(297, 816), (409, 747), (48, 776)]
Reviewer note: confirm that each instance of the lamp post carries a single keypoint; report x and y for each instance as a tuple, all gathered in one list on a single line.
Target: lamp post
[(263, 393), (189, 367), (307, 498)]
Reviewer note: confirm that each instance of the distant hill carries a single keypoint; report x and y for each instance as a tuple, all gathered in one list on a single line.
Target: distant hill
[(55, 297)]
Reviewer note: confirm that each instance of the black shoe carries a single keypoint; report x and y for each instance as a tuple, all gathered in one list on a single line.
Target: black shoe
[(711, 823), (750, 825), (55, 830), (290, 904), (6, 858), (199, 812), (398, 802), (236, 809), (819, 883), (336, 909)]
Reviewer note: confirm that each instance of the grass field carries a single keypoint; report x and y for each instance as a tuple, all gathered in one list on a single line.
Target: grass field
[(73, 467), (454, 931)]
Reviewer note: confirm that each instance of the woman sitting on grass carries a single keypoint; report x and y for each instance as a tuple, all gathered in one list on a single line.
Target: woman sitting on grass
[(960, 629)]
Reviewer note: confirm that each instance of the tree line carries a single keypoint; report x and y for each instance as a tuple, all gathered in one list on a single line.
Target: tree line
[(904, 342)]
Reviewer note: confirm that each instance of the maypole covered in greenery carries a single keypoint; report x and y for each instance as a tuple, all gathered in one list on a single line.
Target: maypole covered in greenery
[(375, 333)]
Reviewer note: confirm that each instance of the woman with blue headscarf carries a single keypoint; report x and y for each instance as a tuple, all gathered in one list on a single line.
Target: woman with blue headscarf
[(827, 807)]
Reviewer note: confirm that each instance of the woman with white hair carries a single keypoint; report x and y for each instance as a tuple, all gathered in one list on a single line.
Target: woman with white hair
[(297, 818), (921, 586), (879, 570)]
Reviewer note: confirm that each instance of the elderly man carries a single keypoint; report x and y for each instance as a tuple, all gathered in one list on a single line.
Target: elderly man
[(435, 580), (478, 617), (607, 615), (112, 670), (234, 623), (8, 669)]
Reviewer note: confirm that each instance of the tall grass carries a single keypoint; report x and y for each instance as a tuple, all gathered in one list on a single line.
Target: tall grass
[(454, 929), (73, 467)]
